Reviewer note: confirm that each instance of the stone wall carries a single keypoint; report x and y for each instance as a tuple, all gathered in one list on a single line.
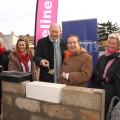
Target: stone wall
[(77, 103)]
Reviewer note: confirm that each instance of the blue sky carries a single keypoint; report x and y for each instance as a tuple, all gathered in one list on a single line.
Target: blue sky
[(19, 15)]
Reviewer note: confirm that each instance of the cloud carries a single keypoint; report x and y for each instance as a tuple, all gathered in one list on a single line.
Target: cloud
[(103, 10), (17, 16)]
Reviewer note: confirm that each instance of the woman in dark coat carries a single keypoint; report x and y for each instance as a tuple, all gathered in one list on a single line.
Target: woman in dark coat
[(106, 74), (3, 62)]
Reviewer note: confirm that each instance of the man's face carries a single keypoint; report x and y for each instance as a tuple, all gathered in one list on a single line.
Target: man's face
[(55, 32), (73, 44)]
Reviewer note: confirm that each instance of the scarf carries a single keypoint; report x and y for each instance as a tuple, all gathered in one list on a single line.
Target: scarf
[(24, 59), (108, 52), (2, 50), (68, 53)]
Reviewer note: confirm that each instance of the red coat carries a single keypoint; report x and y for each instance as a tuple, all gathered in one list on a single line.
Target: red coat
[(79, 67)]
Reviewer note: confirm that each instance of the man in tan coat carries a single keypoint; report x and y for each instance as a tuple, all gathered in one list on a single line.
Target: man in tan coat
[(77, 66)]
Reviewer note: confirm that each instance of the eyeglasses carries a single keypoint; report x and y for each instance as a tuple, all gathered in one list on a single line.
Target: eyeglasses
[(72, 43), (73, 35)]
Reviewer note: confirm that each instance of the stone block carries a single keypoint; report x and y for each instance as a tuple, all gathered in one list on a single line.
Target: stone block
[(11, 113), (7, 99), (59, 111), (89, 115), (28, 104), (44, 91), (87, 98), (33, 117), (16, 88)]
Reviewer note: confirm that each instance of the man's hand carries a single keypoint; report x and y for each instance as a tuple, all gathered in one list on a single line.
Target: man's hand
[(63, 75), (44, 63)]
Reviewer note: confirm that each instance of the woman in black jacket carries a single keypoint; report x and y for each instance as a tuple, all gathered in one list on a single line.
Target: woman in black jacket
[(3, 62), (106, 73), (4, 56)]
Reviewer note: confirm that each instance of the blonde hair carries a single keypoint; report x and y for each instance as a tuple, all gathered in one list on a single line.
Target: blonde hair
[(115, 35), (27, 45)]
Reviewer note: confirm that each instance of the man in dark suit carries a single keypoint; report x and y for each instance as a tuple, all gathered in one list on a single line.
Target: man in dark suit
[(49, 54)]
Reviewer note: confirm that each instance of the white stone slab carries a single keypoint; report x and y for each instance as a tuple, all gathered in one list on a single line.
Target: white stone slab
[(50, 92)]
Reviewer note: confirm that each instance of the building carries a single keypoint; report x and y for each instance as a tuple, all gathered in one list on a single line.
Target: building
[(9, 40), (1, 34), (30, 38)]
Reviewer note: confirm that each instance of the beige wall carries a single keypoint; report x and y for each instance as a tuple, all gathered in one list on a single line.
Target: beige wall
[(9, 41), (77, 103), (14, 39)]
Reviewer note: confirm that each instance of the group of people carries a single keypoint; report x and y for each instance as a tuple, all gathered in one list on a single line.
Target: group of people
[(71, 63), (66, 62)]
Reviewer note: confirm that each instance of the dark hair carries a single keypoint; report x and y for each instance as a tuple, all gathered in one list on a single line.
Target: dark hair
[(73, 35)]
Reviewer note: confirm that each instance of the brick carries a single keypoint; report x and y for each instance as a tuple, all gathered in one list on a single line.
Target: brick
[(11, 113), (7, 99), (83, 97), (58, 111), (17, 88), (44, 91), (33, 117), (89, 115), (28, 104)]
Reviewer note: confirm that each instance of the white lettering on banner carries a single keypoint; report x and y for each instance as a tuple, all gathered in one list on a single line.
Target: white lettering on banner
[(48, 4), (45, 26), (47, 14), (90, 46), (46, 21), (45, 33)]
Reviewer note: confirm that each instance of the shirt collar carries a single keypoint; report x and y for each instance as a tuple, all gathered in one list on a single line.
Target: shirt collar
[(53, 40)]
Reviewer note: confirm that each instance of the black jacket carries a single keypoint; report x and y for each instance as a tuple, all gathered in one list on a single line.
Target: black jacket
[(4, 63), (4, 60), (45, 50), (112, 88)]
